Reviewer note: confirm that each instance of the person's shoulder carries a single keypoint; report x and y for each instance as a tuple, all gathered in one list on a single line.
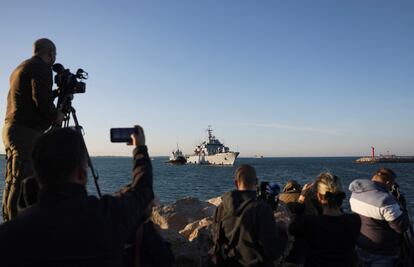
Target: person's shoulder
[(353, 218), (12, 231), (261, 206), (35, 65), (288, 197), (30, 63)]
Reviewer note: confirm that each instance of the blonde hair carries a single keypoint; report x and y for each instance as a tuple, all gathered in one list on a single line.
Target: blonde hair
[(330, 186)]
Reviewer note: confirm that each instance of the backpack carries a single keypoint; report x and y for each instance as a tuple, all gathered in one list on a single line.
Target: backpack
[(221, 248)]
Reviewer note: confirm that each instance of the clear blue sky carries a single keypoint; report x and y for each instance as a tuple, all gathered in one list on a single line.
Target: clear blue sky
[(273, 78)]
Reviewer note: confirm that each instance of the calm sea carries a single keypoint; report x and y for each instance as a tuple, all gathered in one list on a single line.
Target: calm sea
[(172, 182)]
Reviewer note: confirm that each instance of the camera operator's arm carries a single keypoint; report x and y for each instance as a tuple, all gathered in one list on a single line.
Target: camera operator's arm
[(42, 96), (397, 219), (133, 199)]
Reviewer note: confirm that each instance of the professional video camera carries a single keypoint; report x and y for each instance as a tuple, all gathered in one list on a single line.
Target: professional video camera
[(68, 82), (268, 193), (395, 191), (68, 85)]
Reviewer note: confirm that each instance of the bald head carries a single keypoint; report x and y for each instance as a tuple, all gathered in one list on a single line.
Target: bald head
[(245, 177), (45, 49), (43, 46)]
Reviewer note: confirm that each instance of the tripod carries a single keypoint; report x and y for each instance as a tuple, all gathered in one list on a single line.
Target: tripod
[(65, 105), (407, 248)]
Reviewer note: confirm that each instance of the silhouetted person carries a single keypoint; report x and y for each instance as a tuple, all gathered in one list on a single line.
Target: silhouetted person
[(30, 111), (66, 227), (331, 236), (244, 228)]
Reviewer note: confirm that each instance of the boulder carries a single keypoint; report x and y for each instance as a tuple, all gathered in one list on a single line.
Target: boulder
[(215, 201), (178, 215), (185, 252), (191, 231), (186, 224)]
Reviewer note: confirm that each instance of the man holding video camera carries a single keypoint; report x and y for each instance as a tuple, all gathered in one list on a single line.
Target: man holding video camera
[(67, 227), (30, 111)]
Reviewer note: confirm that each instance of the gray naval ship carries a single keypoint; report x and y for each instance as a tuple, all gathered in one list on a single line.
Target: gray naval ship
[(212, 152)]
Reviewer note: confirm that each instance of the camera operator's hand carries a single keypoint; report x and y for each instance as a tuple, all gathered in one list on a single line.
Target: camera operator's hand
[(60, 116), (138, 139)]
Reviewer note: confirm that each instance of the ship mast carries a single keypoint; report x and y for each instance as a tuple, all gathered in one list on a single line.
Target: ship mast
[(209, 131)]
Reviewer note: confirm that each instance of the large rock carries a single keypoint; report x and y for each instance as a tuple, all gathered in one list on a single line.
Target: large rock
[(191, 231), (215, 201), (187, 224), (178, 215), (185, 252)]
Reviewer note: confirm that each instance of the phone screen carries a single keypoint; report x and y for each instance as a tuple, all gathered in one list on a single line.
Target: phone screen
[(122, 135)]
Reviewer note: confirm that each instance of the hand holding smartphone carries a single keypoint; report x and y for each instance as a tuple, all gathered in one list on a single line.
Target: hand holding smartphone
[(124, 135)]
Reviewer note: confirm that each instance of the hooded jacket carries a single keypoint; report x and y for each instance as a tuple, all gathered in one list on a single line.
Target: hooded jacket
[(251, 236), (382, 220)]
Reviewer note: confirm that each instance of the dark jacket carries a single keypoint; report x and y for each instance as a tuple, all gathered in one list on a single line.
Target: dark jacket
[(329, 240), (383, 220), (156, 252), (251, 237), (69, 228), (30, 99)]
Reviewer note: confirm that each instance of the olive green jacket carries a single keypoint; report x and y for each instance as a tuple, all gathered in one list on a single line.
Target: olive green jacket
[(30, 99)]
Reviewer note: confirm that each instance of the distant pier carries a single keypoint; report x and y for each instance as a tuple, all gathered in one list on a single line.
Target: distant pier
[(385, 159)]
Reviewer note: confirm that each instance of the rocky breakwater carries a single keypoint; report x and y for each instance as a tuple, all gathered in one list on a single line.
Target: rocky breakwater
[(186, 225)]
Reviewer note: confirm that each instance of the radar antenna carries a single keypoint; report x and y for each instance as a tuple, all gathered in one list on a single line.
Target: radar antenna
[(210, 131)]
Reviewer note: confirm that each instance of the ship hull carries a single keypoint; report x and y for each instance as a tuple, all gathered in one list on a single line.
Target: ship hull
[(227, 158), (178, 160)]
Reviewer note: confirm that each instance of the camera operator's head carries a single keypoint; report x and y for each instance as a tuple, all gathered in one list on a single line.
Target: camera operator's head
[(46, 50), (59, 156), (384, 176), (245, 177)]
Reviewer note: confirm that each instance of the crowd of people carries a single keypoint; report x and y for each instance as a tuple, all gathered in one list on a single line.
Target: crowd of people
[(324, 235), (64, 226)]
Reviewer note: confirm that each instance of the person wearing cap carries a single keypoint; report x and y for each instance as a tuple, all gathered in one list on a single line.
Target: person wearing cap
[(330, 237), (291, 192)]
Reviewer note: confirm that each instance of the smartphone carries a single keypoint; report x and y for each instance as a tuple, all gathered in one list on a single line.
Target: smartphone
[(122, 135)]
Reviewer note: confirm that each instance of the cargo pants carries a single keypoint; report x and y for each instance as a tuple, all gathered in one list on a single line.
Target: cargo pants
[(18, 142)]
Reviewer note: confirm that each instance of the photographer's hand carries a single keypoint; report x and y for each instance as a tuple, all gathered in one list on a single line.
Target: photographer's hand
[(138, 139), (60, 116), (304, 192)]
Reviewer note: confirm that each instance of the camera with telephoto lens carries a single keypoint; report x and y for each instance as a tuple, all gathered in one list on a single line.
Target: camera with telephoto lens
[(268, 194), (69, 83), (395, 191)]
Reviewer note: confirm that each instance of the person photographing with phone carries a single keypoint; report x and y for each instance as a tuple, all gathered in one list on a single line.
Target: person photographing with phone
[(67, 227)]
